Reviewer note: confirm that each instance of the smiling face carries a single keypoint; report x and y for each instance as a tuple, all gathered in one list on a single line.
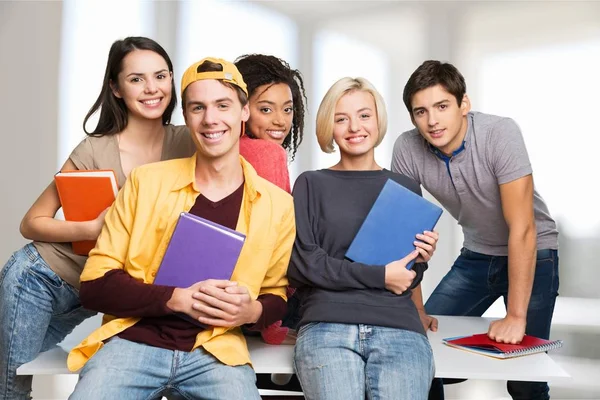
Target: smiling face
[(144, 84), (213, 114), (355, 128), (271, 112), (439, 118)]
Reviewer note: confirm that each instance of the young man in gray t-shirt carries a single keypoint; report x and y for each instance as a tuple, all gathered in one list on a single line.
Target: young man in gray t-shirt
[(476, 165)]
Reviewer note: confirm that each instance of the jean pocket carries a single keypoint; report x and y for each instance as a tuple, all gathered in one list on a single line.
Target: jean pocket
[(42, 271), (546, 255), (306, 327)]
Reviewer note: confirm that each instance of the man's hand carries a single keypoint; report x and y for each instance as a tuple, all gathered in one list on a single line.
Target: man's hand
[(429, 322), (182, 299), (227, 307), (508, 330), (426, 245), (397, 278)]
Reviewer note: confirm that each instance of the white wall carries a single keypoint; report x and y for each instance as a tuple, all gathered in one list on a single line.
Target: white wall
[(29, 67)]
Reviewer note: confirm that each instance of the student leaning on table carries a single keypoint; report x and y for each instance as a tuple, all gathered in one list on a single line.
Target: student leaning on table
[(476, 165), (143, 349), (39, 284)]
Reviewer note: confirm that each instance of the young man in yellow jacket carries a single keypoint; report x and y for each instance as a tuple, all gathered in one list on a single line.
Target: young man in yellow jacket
[(144, 349)]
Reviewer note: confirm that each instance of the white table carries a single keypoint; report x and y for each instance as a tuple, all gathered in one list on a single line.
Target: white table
[(456, 363), (450, 362)]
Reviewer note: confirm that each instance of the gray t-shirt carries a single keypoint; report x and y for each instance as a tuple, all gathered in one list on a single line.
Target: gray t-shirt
[(468, 185)]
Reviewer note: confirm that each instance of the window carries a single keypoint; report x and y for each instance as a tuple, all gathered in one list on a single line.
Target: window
[(550, 92), (229, 30), (337, 56), (89, 29)]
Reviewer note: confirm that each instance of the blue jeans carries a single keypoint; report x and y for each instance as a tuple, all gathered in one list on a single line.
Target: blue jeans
[(38, 309), (126, 370), (343, 361), (476, 281)]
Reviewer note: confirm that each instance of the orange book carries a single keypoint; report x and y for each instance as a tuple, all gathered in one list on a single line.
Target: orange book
[(84, 195)]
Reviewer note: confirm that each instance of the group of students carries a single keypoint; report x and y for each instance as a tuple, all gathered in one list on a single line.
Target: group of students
[(362, 328)]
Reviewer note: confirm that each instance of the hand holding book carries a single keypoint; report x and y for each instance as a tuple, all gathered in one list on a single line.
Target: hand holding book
[(182, 300), (85, 196), (96, 225), (397, 277), (426, 244), (229, 307), (388, 232)]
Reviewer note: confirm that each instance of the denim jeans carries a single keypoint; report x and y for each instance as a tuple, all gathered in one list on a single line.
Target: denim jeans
[(37, 310), (342, 361), (126, 370), (476, 281)]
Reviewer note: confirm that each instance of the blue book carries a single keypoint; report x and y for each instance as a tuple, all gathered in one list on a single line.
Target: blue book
[(388, 232)]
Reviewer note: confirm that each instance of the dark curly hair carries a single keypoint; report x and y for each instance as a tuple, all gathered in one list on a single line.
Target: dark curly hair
[(260, 69)]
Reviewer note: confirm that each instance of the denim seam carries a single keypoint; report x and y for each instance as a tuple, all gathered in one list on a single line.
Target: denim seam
[(4, 271), (174, 366), (156, 393), (183, 394), (368, 386), (10, 352), (554, 273), (478, 303), (33, 256), (489, 275)]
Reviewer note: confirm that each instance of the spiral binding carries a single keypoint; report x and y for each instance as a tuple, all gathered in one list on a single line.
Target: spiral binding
[(556, 344)]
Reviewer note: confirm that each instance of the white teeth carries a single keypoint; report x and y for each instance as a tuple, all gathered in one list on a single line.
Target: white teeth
[(151, 102), (275, 134), (356, 139), (213, 135)]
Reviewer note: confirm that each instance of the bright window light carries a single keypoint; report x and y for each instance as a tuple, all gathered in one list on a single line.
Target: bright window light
[(228, 30), (551, 93), (88, 30)]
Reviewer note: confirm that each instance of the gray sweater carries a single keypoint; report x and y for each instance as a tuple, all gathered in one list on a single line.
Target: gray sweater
[(330, 207)]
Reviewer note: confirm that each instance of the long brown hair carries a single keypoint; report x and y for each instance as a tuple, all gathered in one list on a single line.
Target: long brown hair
[(113, 111)]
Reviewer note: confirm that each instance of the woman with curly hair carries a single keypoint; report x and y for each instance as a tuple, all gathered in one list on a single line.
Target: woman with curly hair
[(277, 107), (277, 100)]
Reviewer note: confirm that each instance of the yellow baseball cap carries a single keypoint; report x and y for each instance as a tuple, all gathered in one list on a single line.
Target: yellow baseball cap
[(229, 74)]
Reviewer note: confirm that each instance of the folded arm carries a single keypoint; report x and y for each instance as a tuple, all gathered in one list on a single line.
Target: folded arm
[(39, 223)]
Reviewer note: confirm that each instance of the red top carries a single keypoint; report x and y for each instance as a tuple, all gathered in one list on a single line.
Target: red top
[(270, 162), (268, 159)]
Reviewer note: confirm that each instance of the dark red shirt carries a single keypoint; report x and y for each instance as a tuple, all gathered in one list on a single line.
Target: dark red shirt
[(118, 294)]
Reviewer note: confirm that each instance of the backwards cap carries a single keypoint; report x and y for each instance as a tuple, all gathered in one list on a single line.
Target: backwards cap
[(229, 74)]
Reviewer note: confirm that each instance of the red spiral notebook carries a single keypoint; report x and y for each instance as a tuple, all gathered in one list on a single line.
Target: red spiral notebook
[(482, 344)]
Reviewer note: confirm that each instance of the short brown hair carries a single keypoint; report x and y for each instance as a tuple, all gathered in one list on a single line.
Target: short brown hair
[(209, 66), (432, 73)]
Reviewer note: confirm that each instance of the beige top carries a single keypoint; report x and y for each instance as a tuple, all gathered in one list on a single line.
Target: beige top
[(103, 153)]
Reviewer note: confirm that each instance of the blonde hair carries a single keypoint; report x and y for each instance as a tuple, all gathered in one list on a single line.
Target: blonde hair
[(326, 113)]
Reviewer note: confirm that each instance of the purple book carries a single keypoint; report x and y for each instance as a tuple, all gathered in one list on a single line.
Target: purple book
[(199, 250)]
